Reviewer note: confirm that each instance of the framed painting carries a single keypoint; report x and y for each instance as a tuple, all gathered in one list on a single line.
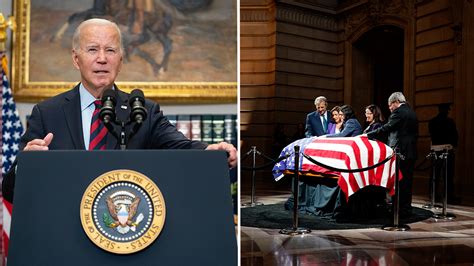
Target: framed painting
[(176, 51)]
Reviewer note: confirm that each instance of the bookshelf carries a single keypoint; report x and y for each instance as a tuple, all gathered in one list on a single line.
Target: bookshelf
[(209, 128)]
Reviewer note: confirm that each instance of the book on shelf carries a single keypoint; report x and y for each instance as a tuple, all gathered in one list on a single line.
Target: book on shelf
[(183, 124), (196, 127), (218, 133), (230, 129), (207, 128)]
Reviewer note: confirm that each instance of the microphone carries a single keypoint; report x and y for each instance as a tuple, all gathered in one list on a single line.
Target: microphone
[(107, 112), (136, 101)]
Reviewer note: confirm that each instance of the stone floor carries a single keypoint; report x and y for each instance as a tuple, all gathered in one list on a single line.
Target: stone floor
[(429, 242)]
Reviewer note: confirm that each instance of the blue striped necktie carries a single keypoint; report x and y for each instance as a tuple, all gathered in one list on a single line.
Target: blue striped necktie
[(324, 123), (98, 130)]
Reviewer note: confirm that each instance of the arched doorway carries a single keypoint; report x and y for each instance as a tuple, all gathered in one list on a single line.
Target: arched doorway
[(377, 68)]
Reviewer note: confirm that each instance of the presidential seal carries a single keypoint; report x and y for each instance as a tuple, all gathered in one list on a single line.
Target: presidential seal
[(122, 211)]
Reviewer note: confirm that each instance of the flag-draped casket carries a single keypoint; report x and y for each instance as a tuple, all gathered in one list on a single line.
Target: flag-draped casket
[(348, 153)]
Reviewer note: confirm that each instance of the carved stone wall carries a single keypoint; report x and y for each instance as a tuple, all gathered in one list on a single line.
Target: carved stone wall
[(377, 12), (289, 14), (309, 62)]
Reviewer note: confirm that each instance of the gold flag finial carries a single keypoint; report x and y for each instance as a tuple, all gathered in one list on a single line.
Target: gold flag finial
[(4, 25)]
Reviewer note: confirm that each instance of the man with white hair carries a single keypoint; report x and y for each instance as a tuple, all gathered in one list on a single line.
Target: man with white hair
[(317, 121), (402, 130)]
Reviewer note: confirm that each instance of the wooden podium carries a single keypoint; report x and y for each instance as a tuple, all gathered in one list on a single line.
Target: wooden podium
[(46, 225)]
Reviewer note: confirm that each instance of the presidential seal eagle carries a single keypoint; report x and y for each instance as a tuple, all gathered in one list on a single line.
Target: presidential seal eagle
[(122, 207)]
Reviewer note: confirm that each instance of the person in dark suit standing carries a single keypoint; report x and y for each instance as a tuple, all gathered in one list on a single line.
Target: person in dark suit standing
[(64, 122), (317, 121), (316, 125), (443, 131), (402, 130)]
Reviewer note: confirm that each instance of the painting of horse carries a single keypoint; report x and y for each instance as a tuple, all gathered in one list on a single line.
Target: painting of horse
[(164, 40)]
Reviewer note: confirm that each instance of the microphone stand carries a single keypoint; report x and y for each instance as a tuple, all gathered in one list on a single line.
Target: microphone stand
[(123, 137)]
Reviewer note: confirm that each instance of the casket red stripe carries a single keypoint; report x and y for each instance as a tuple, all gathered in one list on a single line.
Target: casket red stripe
[(352, 153)]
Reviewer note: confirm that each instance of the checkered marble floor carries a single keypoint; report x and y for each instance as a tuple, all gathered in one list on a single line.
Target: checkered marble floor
[(429, 242)]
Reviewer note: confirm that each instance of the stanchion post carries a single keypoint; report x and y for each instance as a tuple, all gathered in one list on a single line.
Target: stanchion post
[(296, 190), (295, 230), (445, 215), (396, 203), (432, 204), (252, 202)]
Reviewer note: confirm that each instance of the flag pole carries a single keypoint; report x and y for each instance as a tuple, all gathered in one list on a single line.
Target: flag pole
[(11, 130)]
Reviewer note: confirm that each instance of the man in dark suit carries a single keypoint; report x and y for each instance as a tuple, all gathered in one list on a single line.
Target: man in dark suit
[(317, 121), (316, 125), (402, 130), (443, 131), (64, 122)]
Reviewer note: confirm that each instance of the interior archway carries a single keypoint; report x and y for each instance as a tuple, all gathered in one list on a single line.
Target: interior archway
[(377, 67)]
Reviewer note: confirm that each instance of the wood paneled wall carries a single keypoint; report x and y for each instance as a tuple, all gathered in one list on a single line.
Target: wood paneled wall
[(443, 74), (309, 63), (434, 63), (434, 68), (289, 56), (464, 99), (257, 77)]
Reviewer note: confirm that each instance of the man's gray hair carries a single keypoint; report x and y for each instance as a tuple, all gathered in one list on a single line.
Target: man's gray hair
[(320, 99), (396, 97), (76, 38)]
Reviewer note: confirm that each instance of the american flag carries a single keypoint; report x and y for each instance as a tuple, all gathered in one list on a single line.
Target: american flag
[(11, 126), (11, 132), (289, 163), (343, 153)]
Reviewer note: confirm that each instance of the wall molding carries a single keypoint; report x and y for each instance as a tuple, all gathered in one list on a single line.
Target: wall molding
[(257, 14), (303, 17)]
